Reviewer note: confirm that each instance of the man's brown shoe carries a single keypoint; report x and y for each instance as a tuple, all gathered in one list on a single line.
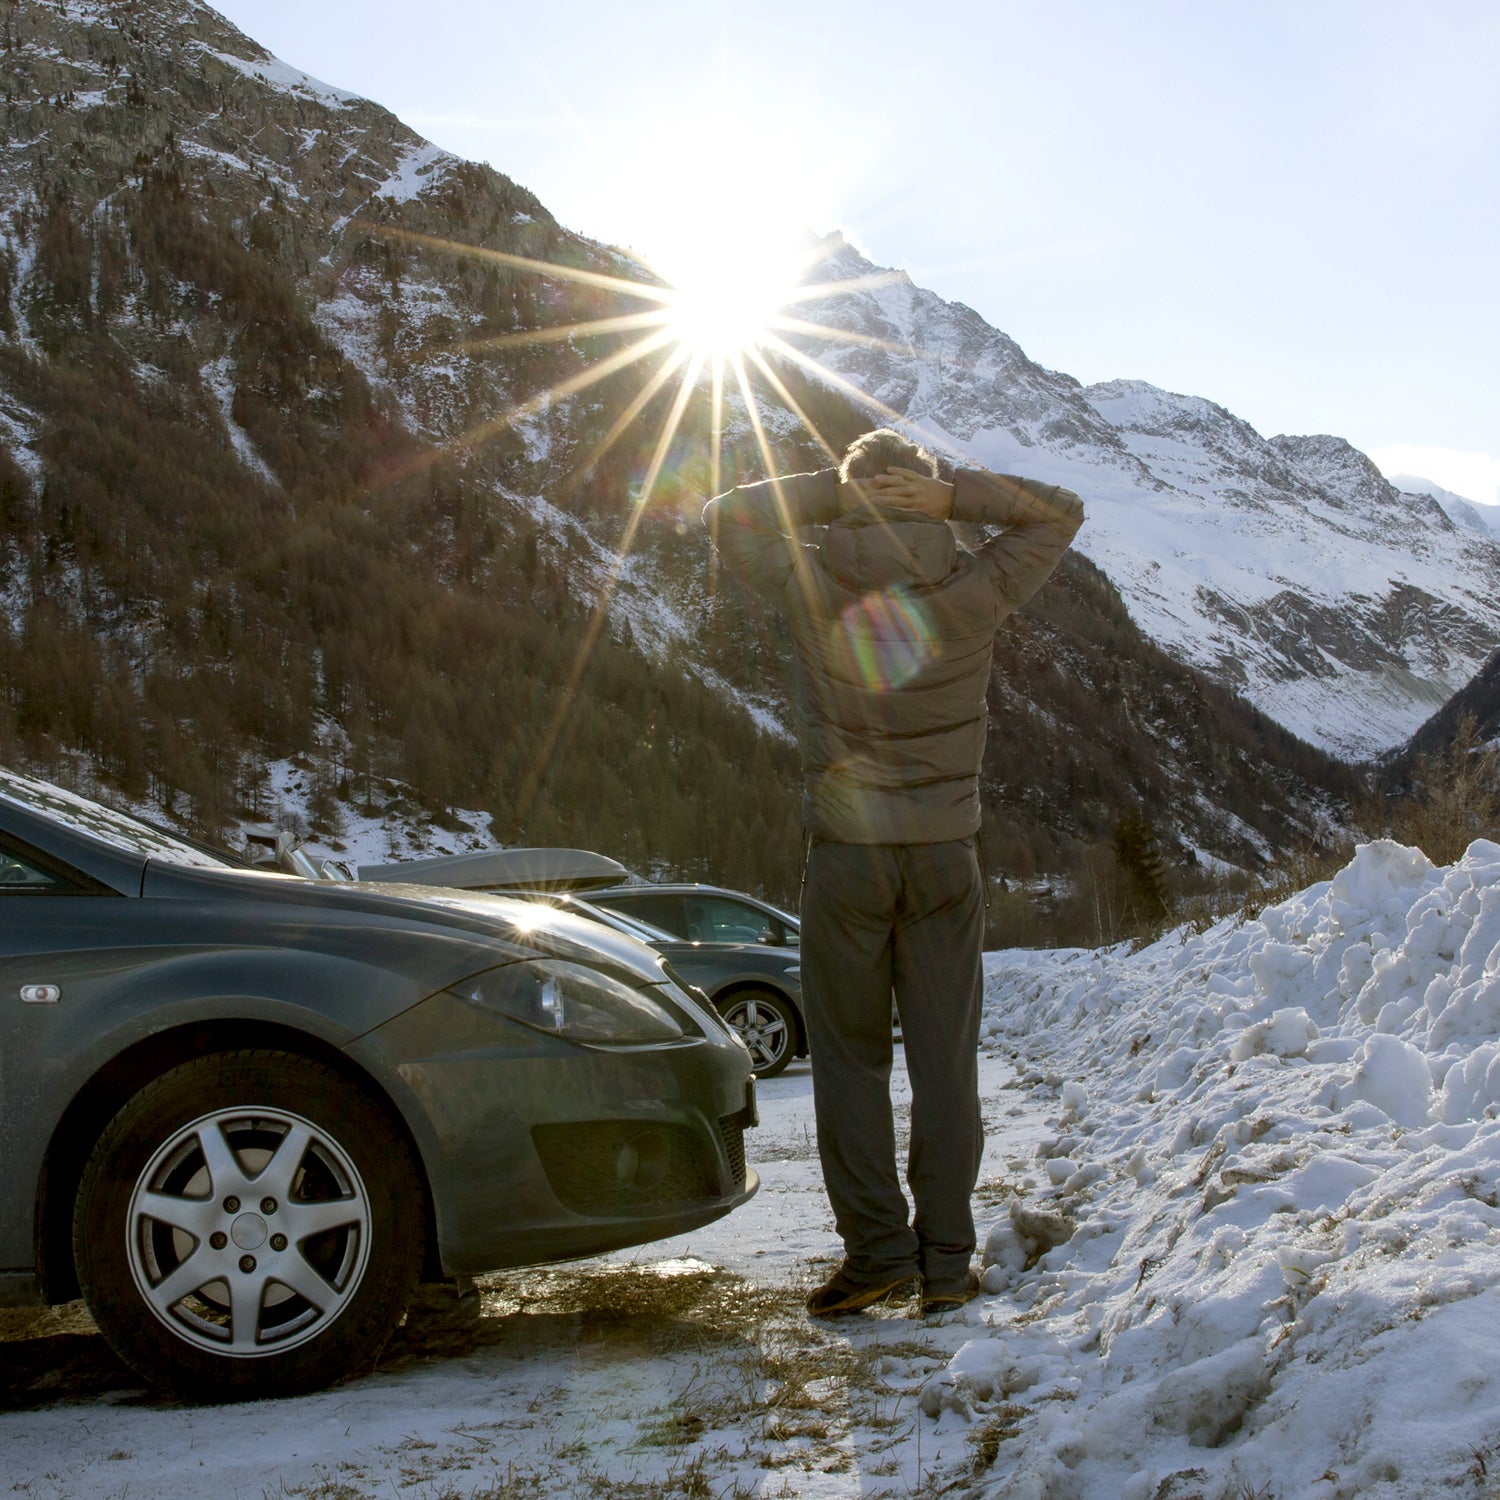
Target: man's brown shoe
[(944, 1296), (841, 1293)]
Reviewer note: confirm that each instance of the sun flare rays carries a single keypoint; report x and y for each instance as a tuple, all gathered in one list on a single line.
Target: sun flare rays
[(725, 323)]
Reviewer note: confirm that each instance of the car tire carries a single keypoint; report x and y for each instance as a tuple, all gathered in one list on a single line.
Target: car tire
[(249, 1224), (766, 1024)]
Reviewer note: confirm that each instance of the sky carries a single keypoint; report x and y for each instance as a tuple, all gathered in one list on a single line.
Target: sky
[(1291, 207)]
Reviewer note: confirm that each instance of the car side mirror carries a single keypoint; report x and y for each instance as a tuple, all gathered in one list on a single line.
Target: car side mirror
[(292, 858)]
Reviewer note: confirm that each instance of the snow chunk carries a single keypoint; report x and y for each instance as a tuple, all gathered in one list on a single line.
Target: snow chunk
[(1393, 1076), (1289, 1033)]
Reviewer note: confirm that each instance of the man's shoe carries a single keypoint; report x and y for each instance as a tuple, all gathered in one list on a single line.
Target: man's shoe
[(944, 1296), (841, 1293)]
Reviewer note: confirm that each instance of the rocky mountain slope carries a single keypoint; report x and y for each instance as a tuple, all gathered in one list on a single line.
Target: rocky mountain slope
[(322, 449), (1478, 698), (1485, 519), (1287, 568)]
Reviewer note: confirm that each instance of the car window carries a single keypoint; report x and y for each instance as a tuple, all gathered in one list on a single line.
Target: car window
[(716, 919), (100, 822), (21, 874), (636, 927), (660, 908)]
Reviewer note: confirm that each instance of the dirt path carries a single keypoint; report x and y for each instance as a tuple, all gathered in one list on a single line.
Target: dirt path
[(681, 1369)]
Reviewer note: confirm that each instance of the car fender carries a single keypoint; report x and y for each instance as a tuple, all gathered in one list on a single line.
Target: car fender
[(760, 979), (240, 984)]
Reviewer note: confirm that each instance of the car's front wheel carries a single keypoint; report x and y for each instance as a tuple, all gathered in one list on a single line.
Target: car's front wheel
[(249, 1224), (766, 1024)]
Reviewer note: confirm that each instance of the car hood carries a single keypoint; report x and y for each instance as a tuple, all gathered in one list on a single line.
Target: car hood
[(479, 930)]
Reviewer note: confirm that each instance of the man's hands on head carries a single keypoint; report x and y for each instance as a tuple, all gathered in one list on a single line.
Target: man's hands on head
[(909, 490)]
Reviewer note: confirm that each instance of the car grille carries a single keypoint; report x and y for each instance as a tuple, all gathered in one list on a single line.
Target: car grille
[(621, 1166), (732, 1133)]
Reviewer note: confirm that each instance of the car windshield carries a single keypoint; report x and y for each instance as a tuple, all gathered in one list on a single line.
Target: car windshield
[(116, 828)]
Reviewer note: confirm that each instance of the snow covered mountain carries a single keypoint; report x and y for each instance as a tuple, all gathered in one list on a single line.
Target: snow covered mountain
[(1485, 519), (1286, 567), (314, 459)]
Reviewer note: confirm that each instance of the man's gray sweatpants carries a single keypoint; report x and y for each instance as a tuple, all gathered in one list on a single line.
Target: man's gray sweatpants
[(908, 918)]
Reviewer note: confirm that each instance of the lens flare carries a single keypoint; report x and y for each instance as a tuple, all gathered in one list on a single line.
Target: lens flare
[(889, 638)]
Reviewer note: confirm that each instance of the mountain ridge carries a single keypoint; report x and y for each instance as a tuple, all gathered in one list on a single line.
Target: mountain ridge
[(1286, 567)]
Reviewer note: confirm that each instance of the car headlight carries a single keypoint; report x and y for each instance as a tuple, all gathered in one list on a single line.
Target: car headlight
[(571, 1000)]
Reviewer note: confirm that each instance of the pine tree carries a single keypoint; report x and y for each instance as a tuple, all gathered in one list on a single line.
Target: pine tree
[(1140, 859)]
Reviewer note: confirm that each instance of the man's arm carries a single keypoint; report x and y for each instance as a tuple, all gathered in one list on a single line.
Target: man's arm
[(1038, 520), (754, 527)]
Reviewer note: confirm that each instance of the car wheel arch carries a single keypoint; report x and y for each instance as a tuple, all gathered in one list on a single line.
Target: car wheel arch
[(108, 1089)]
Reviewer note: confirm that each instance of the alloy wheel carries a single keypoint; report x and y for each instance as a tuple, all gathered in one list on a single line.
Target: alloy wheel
[(247, 1233)]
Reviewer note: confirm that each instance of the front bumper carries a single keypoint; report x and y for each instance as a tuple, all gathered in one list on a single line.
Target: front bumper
[(538, 1149)]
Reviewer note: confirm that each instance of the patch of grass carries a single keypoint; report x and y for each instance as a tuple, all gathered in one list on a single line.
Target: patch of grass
[(675, 1430), (994, 1192), (631, 1309), (323, 1488), (998, 1427), (690, 1480)]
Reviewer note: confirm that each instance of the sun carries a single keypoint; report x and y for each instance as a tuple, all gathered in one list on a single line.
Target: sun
[(718, 312), (726, 295)]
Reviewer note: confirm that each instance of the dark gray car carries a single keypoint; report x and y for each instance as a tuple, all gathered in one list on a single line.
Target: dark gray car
[(242, 1111), (703, 913), (756, 987)]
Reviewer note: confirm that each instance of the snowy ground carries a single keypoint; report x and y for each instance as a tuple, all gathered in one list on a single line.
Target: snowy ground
[(685, 1368), (1243, 1212)]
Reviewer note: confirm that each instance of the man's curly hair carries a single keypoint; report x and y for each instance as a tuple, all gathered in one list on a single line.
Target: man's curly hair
[(882, 449)]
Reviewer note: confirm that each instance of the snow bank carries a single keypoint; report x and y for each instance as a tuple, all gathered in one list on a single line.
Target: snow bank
[(1261, 1254)]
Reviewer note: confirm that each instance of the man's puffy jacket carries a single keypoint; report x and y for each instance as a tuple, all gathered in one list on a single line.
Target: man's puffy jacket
[(894, 625)]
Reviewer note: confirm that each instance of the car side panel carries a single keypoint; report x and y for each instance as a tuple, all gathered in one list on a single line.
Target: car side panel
[(127, 969), (718, 966)]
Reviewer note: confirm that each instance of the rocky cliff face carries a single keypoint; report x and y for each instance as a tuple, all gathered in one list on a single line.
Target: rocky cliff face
[(97, 88), (1286, 567)]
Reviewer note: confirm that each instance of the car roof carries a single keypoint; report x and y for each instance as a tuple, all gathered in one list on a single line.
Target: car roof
[(691, 888), (505, 869)]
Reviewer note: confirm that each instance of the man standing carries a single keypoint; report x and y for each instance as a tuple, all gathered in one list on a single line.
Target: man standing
[(893, 625)]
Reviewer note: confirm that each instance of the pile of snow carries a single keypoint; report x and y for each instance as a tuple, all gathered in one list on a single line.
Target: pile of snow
[(1262, 1254)]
